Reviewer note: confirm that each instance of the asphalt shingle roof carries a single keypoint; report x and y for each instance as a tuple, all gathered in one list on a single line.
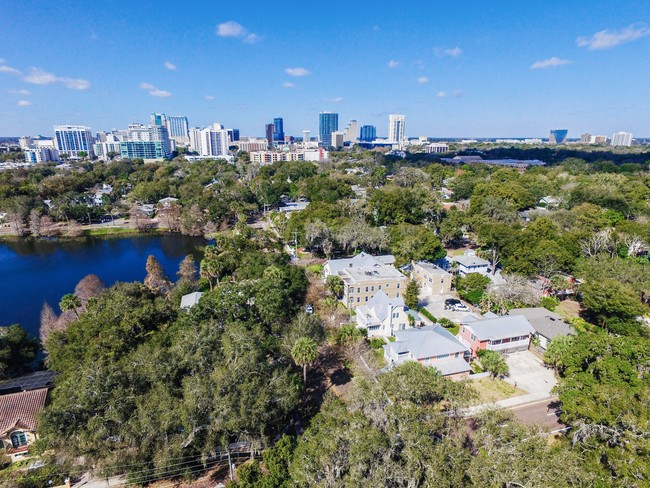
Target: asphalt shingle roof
[(501, 327), (546, 323)]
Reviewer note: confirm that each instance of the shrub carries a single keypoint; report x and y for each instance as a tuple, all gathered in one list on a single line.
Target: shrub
[(377, 342)]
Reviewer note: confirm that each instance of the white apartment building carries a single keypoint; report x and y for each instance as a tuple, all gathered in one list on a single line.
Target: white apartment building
[(251, 145), (396, 128), (351, 132), (436, 147), (214, 141), (622, 139), (72, 139)]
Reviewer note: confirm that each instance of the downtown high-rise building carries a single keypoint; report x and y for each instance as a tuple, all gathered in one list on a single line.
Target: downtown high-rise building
[(622, 139), (306, 136), (351, 131), (268, 129), (73, 139), (368, 133), (557, 136), (178, 128), (328, 122), (396, 128), (214, 141), (278, 130), (150, 142)]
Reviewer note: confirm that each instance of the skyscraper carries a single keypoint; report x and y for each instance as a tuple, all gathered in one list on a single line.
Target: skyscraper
[(269, 133), (158, 119), (396, 128), (585, 138), (622, 139), (278, 129), (351, 131), (368, 133), (214, 141), (328, 122), (557, 136), (306, 136), (72, 139), (178, 128)]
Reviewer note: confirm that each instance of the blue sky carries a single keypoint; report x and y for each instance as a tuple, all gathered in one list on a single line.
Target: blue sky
[(456, 69)]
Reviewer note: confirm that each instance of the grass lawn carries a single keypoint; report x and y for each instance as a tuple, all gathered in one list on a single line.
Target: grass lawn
[(108, 231), (490, 391), (456, 252), (315, 269), (568, 309), (454, 328)]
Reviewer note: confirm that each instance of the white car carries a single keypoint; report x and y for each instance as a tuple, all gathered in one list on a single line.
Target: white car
[(461, 307)]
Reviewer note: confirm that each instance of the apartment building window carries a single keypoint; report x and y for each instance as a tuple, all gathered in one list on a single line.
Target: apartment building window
[(351, 292), (397, 285), (473, 337), (359, 290), (372, 288), (366, 299), (387, 285), (379, 287), (358, 299), (397, 294), (366, 289)]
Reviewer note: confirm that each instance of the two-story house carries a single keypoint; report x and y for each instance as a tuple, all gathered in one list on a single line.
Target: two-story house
[(548, 325), (18, 421), (432, 346), (469, 262), (365, 275), (502, 334), (432, 279), (382, 315)]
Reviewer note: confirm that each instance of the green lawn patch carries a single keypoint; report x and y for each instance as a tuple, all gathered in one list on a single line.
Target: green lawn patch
[(490, 391)]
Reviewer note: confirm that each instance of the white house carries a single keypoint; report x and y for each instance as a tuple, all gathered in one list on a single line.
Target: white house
[(382, 315), (469, 262), (191, 299), (432, 346)]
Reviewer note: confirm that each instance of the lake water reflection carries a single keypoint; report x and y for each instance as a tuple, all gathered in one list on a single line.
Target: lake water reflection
[(33, 272)]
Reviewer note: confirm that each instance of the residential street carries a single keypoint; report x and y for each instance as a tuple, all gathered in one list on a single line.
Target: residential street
[(545, 413)]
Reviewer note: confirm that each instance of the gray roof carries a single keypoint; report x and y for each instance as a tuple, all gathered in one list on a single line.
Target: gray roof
[(433, 340), (501, 327), (431, 268), (361, 260), (191, 299), (469, 260), (546, 323), (452, 366), (380, 305)]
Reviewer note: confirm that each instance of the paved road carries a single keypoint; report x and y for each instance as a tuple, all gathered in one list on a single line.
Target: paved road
[(545, 413)]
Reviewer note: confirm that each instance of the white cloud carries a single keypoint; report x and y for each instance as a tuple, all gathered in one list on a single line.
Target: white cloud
[(450, 52), (457, 93), (288, 84), (170, 66), (607, 38), (441, 94), (154, 91), (160, 93), (297, 71), (236, 30), (8, 69), (209, 97), (553, 62), (335, 99), (392, 64), (423, 80), (19, 92), (230, 29), (38, 76), (24, 103), (251, 38)]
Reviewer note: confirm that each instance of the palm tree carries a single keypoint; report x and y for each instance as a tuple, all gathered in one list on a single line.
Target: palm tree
[(70, 302), (304, 353)]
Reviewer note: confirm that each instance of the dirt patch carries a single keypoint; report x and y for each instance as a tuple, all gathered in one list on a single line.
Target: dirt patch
[(569, 309)]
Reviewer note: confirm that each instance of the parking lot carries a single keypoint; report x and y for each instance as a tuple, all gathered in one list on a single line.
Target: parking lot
[(435, 304), (529, 373)]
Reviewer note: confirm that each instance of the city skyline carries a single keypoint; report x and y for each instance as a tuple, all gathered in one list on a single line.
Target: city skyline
[(509, 70)]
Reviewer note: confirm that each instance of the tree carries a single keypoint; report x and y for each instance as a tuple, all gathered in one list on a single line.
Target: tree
[(17, 351), (559, 349), (411, 294), (493, 362), (472, 286), (70, 303), (49, 323), (89, 287), (156, 279), (304, 353), (335, 285), (74, 229), (35, 223), (187, 272), (613, 305)]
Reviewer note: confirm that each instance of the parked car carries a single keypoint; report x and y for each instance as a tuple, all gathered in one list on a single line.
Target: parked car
[(455, 305), (450, 303)]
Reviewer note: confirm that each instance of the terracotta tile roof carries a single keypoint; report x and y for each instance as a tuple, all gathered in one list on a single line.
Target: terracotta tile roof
[(20, 409)]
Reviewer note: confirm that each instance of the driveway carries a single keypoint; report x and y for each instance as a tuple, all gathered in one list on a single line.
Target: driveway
[(436, 305), (528, 372)]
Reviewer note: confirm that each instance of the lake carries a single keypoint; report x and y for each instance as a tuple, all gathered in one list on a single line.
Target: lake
[(33, 272)]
